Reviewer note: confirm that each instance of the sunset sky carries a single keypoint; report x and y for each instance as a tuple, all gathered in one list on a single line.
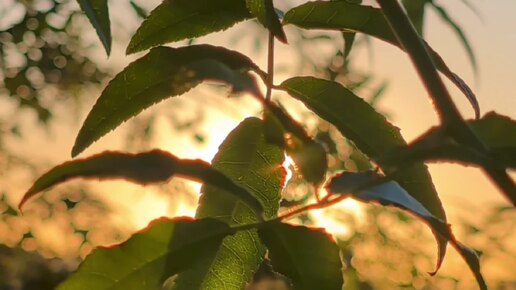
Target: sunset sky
[(492, 36)]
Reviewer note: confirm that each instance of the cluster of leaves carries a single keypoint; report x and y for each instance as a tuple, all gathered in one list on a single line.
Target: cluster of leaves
[(49, 49), (237, 220)]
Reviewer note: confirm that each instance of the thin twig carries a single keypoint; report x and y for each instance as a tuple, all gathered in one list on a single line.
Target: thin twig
[(270, 67)]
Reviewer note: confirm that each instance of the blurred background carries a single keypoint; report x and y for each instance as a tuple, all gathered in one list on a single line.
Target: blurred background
[(53, 68)]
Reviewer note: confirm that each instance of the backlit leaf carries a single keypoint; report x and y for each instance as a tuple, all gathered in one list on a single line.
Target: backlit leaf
[(341, 15), (162, 73), (372, 187), (166, 247), (264, 11), (256, 165), (369, 131), (308, 155), (98, 13), (143, 168), (175, 20), (309, 257)]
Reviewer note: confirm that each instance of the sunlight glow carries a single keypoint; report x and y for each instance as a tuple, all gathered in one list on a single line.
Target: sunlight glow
[(324, 218), (286, 164), (331, 218)]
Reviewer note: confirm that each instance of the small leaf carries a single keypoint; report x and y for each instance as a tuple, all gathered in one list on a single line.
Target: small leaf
[(162, 73), (308, 155), (98, 13), (309, 257), (265, 12), (254, 164), (143, 168), (175, 20), (369, 131), (372, 187), (10, 211), (341, 15), (166, 247)]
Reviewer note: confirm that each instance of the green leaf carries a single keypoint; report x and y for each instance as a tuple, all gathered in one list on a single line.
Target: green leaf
[(372, 187), (458, 30), (353, 116), (369, 131), (166, 247), (309, 257), (246, 158), (264, 11), (143, 168), (340, 15), (308, 155), (162, 73), (416, 12), (98, 13), (175, 20)]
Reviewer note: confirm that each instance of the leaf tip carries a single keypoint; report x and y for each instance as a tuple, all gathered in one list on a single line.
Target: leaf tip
[(131, 48), (25, 198), (76, 150)]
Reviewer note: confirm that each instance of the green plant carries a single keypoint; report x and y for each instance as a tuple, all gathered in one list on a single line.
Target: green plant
[(237, 220)]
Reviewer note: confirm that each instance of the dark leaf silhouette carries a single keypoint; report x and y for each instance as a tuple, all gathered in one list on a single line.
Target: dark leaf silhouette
[(98, 14), (143, 168)]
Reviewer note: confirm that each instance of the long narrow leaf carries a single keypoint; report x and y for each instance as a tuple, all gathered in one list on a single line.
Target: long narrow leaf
[(98, 13), (175, 20), (340, 15), (369, 131), (143, 168), (164, 72), (166, 247)]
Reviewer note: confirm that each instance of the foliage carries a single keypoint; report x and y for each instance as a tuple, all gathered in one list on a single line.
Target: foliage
[(238, 222), (50, 54)]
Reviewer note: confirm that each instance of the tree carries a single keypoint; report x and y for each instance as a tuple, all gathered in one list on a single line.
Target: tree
[(237, 220)]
